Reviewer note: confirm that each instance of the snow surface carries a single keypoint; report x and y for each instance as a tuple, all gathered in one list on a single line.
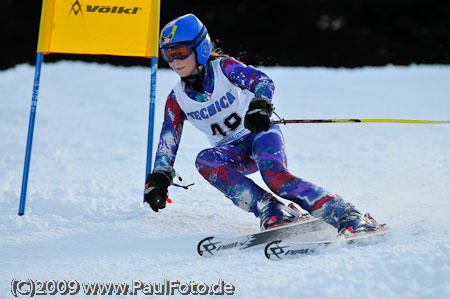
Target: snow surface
[(85, 219)]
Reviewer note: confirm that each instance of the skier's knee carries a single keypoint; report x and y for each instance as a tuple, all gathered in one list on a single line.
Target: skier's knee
[(200, 160), (205, 161)]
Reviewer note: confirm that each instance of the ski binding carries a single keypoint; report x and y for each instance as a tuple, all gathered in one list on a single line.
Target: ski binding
[(279, 250)]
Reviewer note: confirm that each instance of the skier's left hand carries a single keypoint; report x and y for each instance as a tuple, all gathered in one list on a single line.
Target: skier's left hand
[(156, 193), (257, 118)]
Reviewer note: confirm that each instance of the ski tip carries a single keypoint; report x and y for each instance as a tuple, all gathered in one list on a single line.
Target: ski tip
[(200, 247), (271, 250)]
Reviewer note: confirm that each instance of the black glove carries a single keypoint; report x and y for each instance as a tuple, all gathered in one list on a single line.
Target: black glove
[(257, 118), (156, 185)]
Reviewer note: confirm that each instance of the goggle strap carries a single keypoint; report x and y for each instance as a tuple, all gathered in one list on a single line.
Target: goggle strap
[(195, 42), (200, 37)]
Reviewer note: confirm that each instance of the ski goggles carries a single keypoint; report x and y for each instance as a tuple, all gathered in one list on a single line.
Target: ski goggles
[(179, 52)]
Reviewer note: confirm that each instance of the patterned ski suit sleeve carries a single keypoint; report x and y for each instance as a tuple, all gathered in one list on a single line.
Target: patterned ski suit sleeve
[(170, 136), (248, 77)]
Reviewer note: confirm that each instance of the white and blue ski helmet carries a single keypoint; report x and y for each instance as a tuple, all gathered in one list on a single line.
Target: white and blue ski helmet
[(187, 30)]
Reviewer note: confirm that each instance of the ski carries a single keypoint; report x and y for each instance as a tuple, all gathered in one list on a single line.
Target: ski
[(212, 246), (279, 250)]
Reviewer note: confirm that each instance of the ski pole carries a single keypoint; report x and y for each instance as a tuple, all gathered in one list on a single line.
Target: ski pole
[(360, 120)]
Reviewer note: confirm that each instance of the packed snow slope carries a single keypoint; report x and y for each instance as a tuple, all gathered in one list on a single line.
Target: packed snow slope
[(85, 219)]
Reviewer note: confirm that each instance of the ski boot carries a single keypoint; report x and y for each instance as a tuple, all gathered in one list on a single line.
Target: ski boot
[(274, 213), (354, 222)]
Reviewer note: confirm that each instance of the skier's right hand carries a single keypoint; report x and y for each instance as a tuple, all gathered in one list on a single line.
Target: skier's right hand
[(156, 185)]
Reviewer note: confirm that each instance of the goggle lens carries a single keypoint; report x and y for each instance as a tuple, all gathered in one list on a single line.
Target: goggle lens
[(180, 53)]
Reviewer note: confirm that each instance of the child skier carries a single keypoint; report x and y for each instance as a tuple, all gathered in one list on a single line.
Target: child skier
[(231, 103)]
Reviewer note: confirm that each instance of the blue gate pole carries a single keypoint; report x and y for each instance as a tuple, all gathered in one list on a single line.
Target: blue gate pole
[(34, 99), (151, 114)]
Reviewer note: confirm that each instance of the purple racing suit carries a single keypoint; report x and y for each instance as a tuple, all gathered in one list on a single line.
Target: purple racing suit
[(225, 167)]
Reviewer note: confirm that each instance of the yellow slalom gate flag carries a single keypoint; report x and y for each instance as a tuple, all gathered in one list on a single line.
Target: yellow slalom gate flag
[(107, 27)]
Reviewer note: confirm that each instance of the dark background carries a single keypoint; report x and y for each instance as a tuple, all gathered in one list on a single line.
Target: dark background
[(332, 33)]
